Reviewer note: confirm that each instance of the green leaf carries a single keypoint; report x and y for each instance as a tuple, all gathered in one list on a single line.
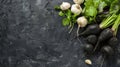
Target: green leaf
[(74, 18), (96, 3), (61, 14), (108, 2), (115, 6), (91, 19), (108, 21), (65, 21), (116, 25), (101, 6), (91, 11), (68, 14), (57, 7), (88, 3)]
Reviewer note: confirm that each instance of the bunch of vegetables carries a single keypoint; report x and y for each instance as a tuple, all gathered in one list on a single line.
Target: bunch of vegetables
[(71, 14), (100, 36)]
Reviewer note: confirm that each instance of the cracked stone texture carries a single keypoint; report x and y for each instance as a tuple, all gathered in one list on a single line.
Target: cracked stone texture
[(32, 36)]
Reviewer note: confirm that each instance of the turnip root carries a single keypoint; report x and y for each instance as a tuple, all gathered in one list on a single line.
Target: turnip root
[(65, 6), (76, 9), (78, 1), (82, 22)]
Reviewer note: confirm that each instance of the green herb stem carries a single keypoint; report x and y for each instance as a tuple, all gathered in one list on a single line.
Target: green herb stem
[(116, 25), (108, 22)]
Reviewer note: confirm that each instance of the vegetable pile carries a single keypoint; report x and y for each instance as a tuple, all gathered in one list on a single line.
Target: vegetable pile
[(99, 18)]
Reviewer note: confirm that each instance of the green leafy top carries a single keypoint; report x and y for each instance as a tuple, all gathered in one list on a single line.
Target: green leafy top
[(115, 7), (69, 17), (90, 9)]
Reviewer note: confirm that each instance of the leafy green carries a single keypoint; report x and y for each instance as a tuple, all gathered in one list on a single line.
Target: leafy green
[(116, 25), (74, 18), (108, 21), (69, 17), (113, 19), (65, 21), (88, 3), (93, 7), (90, 9), (108, 2), (101, 6), (115, 6), (61, 13), (68, 14), (96, 3), (115, 9)]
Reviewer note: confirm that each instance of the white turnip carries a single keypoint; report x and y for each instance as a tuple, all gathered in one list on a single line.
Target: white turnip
[(76, 9), (82, 22), (65, 6)]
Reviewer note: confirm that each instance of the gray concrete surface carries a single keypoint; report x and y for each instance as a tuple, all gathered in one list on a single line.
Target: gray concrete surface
[(33, 36)]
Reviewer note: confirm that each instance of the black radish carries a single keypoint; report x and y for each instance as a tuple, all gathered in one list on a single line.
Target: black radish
[(113, 41), (107, 50), (92, 39), (104, 35), (91, 29), (88, 48), (118, 62)]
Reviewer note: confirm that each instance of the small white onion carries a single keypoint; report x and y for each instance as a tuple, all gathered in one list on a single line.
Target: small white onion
[(76, 9), (65, 6), (82, 21), (78, 1)]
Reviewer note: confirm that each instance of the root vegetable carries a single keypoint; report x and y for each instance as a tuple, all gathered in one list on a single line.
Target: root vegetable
[(92, 39), (107, 50), (65, 6), (91, 29), (113, 41), (78, 1), (88, 48), (76, 9), (82, 22), (105, 34)]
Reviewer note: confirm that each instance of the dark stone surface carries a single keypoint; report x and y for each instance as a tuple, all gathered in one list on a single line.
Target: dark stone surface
[(32, 36)]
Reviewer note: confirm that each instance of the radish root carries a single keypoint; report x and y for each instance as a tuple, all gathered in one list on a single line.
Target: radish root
[(78, 30), (96, 46)]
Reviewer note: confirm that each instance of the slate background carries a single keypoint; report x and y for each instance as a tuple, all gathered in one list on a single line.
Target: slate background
[(32, 36)]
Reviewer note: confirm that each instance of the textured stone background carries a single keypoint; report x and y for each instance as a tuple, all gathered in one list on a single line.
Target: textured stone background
[(32, 36)]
